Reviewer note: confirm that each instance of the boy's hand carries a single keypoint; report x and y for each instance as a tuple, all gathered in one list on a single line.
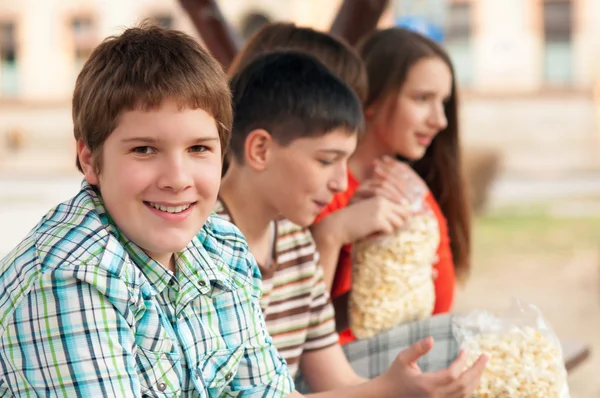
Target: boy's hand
[(374, 216), (405, 379)]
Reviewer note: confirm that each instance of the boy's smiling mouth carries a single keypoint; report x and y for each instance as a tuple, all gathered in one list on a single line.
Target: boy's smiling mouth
[(170, 208)]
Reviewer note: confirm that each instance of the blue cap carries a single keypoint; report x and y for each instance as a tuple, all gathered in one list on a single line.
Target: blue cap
[(420, 25)]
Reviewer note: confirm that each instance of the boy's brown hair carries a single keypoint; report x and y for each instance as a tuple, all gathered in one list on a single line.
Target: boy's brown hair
[(332, 51), (140, 69)]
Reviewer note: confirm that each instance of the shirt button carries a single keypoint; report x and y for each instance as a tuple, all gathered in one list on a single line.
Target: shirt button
[(162, 386), (202, 283), (228, 376)]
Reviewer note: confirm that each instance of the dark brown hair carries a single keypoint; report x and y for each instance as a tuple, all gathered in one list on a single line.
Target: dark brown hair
[(140, 69), (332, 51), (388, 56), (291, 95)]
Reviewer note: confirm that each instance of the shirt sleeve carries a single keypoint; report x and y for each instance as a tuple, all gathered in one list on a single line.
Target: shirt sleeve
[(321, 328), (262, 371), (67, 339)]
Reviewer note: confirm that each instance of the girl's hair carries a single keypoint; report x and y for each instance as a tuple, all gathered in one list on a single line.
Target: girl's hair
[(389, 55), (333, 52)]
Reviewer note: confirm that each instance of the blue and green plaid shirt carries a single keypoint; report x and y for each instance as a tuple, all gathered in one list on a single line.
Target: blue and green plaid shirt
[(85, 312)]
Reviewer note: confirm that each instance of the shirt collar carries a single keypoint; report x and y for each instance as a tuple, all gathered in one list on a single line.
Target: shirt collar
[(194, 263)]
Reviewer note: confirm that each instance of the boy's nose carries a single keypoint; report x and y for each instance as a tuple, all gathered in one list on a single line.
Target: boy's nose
[(339, 182), (175, 176)]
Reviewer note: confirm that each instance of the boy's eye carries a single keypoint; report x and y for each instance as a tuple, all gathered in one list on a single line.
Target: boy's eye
[(143, 150), (198, 148), (325, 162)]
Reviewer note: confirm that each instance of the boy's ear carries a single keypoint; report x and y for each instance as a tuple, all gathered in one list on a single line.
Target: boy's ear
[(86, 160), (257, 149)]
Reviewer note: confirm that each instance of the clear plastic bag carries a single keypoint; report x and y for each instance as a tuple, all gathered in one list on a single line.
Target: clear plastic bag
[(392, 280), (525, 356)]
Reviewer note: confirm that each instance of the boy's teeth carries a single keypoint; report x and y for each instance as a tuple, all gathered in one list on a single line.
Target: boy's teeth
[(170, 209)]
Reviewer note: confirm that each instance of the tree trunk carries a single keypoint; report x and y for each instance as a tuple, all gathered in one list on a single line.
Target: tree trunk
[(220, 38), (357, 18)]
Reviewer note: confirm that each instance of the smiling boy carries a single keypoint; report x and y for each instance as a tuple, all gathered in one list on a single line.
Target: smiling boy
[(115, 292)]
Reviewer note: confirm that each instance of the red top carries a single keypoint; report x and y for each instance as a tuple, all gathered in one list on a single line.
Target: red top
[(444, 283)]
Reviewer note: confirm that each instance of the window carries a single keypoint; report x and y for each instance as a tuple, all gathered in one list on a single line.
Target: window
[(9, 82), (433, 11), (83, 31), (164, 20), (458, 40), (558, 51)]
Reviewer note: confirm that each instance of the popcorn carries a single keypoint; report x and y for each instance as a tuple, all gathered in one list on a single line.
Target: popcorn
[(524, 361), (392, 277)]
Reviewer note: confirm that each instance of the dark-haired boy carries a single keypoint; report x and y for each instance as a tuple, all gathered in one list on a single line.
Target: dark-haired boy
[(295, 125)]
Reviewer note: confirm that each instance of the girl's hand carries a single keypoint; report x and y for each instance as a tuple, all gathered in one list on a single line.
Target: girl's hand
[(393, 180)]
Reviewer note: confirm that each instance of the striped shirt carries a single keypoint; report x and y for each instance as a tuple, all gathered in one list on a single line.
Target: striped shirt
[(295, 301), (86, 313)]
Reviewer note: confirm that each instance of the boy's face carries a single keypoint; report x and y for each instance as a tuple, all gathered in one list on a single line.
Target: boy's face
[(305, 174), (160, 176)]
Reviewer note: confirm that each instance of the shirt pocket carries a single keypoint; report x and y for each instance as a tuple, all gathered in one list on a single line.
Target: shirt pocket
[(158, 372), (219, 370)]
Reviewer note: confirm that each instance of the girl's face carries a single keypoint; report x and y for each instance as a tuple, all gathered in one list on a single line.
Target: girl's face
[(407, 122)]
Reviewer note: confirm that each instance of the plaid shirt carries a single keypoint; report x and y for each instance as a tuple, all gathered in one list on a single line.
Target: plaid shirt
[(85, 312)]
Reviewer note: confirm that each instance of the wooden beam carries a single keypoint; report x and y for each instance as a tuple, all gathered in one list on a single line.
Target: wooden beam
[(221, 39), (574, 353), (357, 18)]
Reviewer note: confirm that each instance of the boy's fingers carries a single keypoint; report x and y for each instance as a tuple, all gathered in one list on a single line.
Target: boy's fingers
[(461, 384), (457, 366), (415, 351), (397, 223), (448, 377), (472, 376)]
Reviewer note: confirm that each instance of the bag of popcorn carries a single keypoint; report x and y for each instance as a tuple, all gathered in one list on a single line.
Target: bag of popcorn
[(525, 356), (392, 275)]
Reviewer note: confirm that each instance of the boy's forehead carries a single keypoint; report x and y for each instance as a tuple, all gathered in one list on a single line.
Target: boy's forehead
[(168, 117), (150, 107)]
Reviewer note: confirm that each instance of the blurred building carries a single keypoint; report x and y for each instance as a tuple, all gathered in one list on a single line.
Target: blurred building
[(541, 55), (525, 45)]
